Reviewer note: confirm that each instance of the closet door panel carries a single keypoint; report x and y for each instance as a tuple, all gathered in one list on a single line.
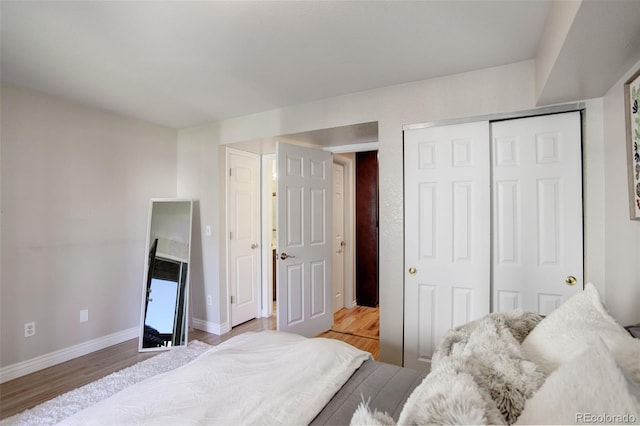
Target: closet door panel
[(447, 225), (537, 185)]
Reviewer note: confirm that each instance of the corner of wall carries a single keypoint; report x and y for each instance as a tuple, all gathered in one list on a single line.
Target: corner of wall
[(559, 21)]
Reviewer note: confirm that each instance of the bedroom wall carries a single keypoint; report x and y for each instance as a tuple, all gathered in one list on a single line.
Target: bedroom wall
[(76, 184), (622, 257), (501, 89)]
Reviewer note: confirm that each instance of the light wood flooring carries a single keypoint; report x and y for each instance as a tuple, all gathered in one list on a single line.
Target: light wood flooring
[(33, 389), (360, 321)]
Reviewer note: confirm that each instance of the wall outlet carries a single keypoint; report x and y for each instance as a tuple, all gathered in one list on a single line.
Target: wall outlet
[(84, 315), (29, 329), (209, 300)]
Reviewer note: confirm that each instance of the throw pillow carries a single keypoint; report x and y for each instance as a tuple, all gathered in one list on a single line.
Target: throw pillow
[(590, 388), (567, 331)]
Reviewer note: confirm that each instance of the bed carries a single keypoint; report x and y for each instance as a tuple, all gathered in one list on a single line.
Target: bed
[(266, 377), (577, 365)]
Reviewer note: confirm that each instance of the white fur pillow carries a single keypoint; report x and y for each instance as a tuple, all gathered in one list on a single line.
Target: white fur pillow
[(568, 331), (364, 416), (590, 388)]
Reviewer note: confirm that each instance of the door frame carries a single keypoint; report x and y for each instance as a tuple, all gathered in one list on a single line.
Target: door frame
[(267, 200), (344, 155)]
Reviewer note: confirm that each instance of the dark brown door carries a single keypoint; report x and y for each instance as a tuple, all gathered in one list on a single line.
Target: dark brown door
[(367, 228)]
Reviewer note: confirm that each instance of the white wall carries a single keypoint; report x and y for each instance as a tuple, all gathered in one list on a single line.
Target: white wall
[(494, 90), (76, 184), (198, 178), (622, 255)]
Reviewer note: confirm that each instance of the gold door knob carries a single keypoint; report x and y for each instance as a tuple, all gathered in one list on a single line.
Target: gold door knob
[(570, 280), (413, 270)]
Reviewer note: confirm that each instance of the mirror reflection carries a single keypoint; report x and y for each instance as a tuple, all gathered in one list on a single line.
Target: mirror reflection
[(165, 293)]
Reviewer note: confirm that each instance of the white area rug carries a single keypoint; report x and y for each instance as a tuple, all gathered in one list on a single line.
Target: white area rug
[(63, 406)]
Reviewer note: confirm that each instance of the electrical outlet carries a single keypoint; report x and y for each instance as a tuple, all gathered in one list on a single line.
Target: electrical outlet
[(84, 315), (209, 300), (29, 329)]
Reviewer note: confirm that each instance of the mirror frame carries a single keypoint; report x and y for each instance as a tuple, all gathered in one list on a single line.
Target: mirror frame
[(147, 278)]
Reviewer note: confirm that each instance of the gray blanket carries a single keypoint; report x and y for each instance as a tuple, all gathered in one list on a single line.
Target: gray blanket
[(478, 376), (385, 387)]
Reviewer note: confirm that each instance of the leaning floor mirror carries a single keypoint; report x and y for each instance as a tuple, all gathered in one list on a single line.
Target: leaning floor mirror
[(165, 293)]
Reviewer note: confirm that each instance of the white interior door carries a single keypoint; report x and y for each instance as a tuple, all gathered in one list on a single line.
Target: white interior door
[(338, 238), (304, 239), (244, 219), (447, 234), (537, 184)]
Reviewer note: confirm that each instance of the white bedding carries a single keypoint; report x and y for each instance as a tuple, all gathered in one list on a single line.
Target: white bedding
[(254, 378)]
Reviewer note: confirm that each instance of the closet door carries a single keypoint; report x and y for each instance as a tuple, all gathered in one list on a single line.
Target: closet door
[(447, 234), (537, 212)]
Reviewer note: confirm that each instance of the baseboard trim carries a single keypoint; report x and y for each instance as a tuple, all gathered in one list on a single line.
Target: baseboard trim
[(211, 327), (23, 368)]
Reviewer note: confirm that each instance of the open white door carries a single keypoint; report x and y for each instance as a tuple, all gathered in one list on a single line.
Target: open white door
[(304, 240)]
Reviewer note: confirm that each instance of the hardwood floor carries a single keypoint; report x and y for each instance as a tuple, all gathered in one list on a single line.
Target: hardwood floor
[(30, 390), (365, 343), (360, 321), (359, 326), (33, 389)]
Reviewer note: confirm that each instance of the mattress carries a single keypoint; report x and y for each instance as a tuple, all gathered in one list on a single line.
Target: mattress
[(386, 387)]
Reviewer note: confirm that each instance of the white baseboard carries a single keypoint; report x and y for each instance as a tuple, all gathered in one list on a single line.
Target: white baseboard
[(211, 327), (23, 368)]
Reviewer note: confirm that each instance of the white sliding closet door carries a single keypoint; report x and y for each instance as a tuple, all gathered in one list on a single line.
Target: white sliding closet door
[(537, 217), (506, 229), (447, 234)]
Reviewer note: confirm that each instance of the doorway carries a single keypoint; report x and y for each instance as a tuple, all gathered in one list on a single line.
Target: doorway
[(342, 142), (344, 241), (367, 269)]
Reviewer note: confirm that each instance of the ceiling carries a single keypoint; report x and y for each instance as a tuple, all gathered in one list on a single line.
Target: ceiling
[(180, 64), (186, 63)]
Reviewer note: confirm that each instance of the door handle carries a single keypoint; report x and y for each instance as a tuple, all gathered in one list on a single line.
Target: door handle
[(254, 246), (413, 270), (570, 280), (284, 256)]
